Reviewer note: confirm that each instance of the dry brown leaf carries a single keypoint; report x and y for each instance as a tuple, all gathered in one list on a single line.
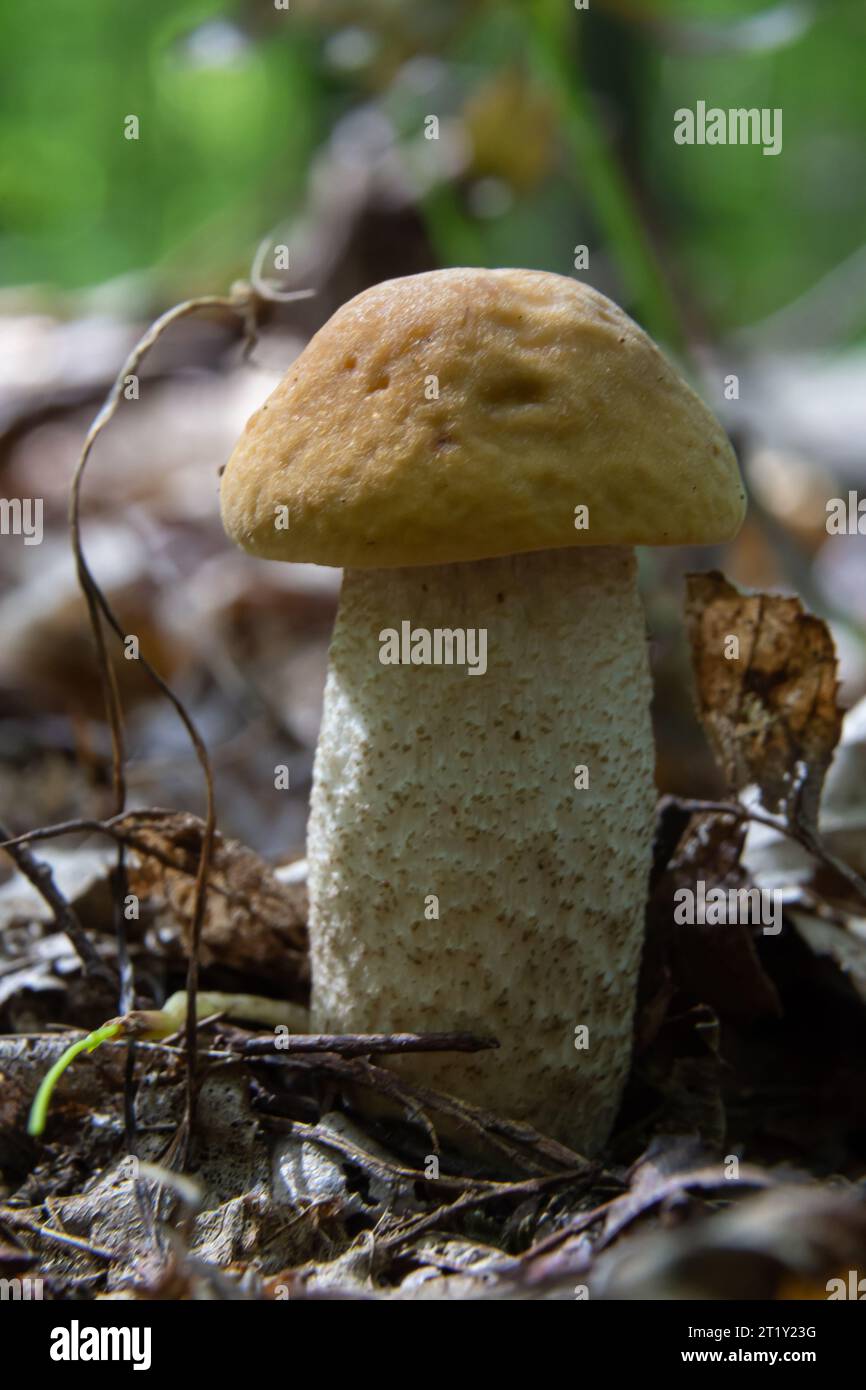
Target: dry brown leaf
[(748, 1251), (770, 710), (253, 921)]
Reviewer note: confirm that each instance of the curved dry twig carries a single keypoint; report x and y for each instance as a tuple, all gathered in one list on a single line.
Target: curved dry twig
[(812, 843), (243, 302)]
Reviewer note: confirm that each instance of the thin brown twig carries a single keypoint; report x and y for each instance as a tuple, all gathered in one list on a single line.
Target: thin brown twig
[(805, 837), (58, 1237), (511, 1139), (244, 302), (64, 914), (115, 827), (485, 1193), (366, 1044), (375, 1166)]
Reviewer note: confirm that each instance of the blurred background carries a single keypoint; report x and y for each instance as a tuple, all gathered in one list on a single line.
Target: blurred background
[(150, 153)]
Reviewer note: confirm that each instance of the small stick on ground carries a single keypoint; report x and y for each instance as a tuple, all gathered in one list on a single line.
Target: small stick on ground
[(485, 1193), (56, 1237), (366, 1044)]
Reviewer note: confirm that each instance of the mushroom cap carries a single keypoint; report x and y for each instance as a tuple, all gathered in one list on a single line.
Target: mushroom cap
[(464, 414)]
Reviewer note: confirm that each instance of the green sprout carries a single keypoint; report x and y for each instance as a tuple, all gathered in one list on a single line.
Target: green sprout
[(39, 1108)]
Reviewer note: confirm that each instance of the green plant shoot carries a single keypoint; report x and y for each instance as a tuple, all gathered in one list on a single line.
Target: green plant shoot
[(39, 1108)]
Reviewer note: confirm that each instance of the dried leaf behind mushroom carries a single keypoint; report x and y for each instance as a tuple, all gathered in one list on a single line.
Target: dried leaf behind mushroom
[(767, 699), (254, 922)]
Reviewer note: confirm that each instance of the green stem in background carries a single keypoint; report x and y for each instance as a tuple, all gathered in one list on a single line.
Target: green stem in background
[(553, 37), (39, 1108)]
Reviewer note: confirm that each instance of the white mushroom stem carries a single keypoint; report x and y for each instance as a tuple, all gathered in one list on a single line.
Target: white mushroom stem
[(459, 880)]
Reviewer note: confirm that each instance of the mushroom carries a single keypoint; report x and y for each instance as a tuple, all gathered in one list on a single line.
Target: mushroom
[(481, 450)]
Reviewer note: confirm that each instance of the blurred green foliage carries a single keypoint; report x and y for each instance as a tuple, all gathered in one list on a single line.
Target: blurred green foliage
[(221, 123), (754, 231), (568, 116)]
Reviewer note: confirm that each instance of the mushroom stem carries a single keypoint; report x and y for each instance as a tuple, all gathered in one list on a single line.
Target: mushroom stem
[(459, 879)]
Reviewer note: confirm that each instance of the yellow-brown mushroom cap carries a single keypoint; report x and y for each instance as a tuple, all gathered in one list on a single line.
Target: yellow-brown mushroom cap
[(462, 414)]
